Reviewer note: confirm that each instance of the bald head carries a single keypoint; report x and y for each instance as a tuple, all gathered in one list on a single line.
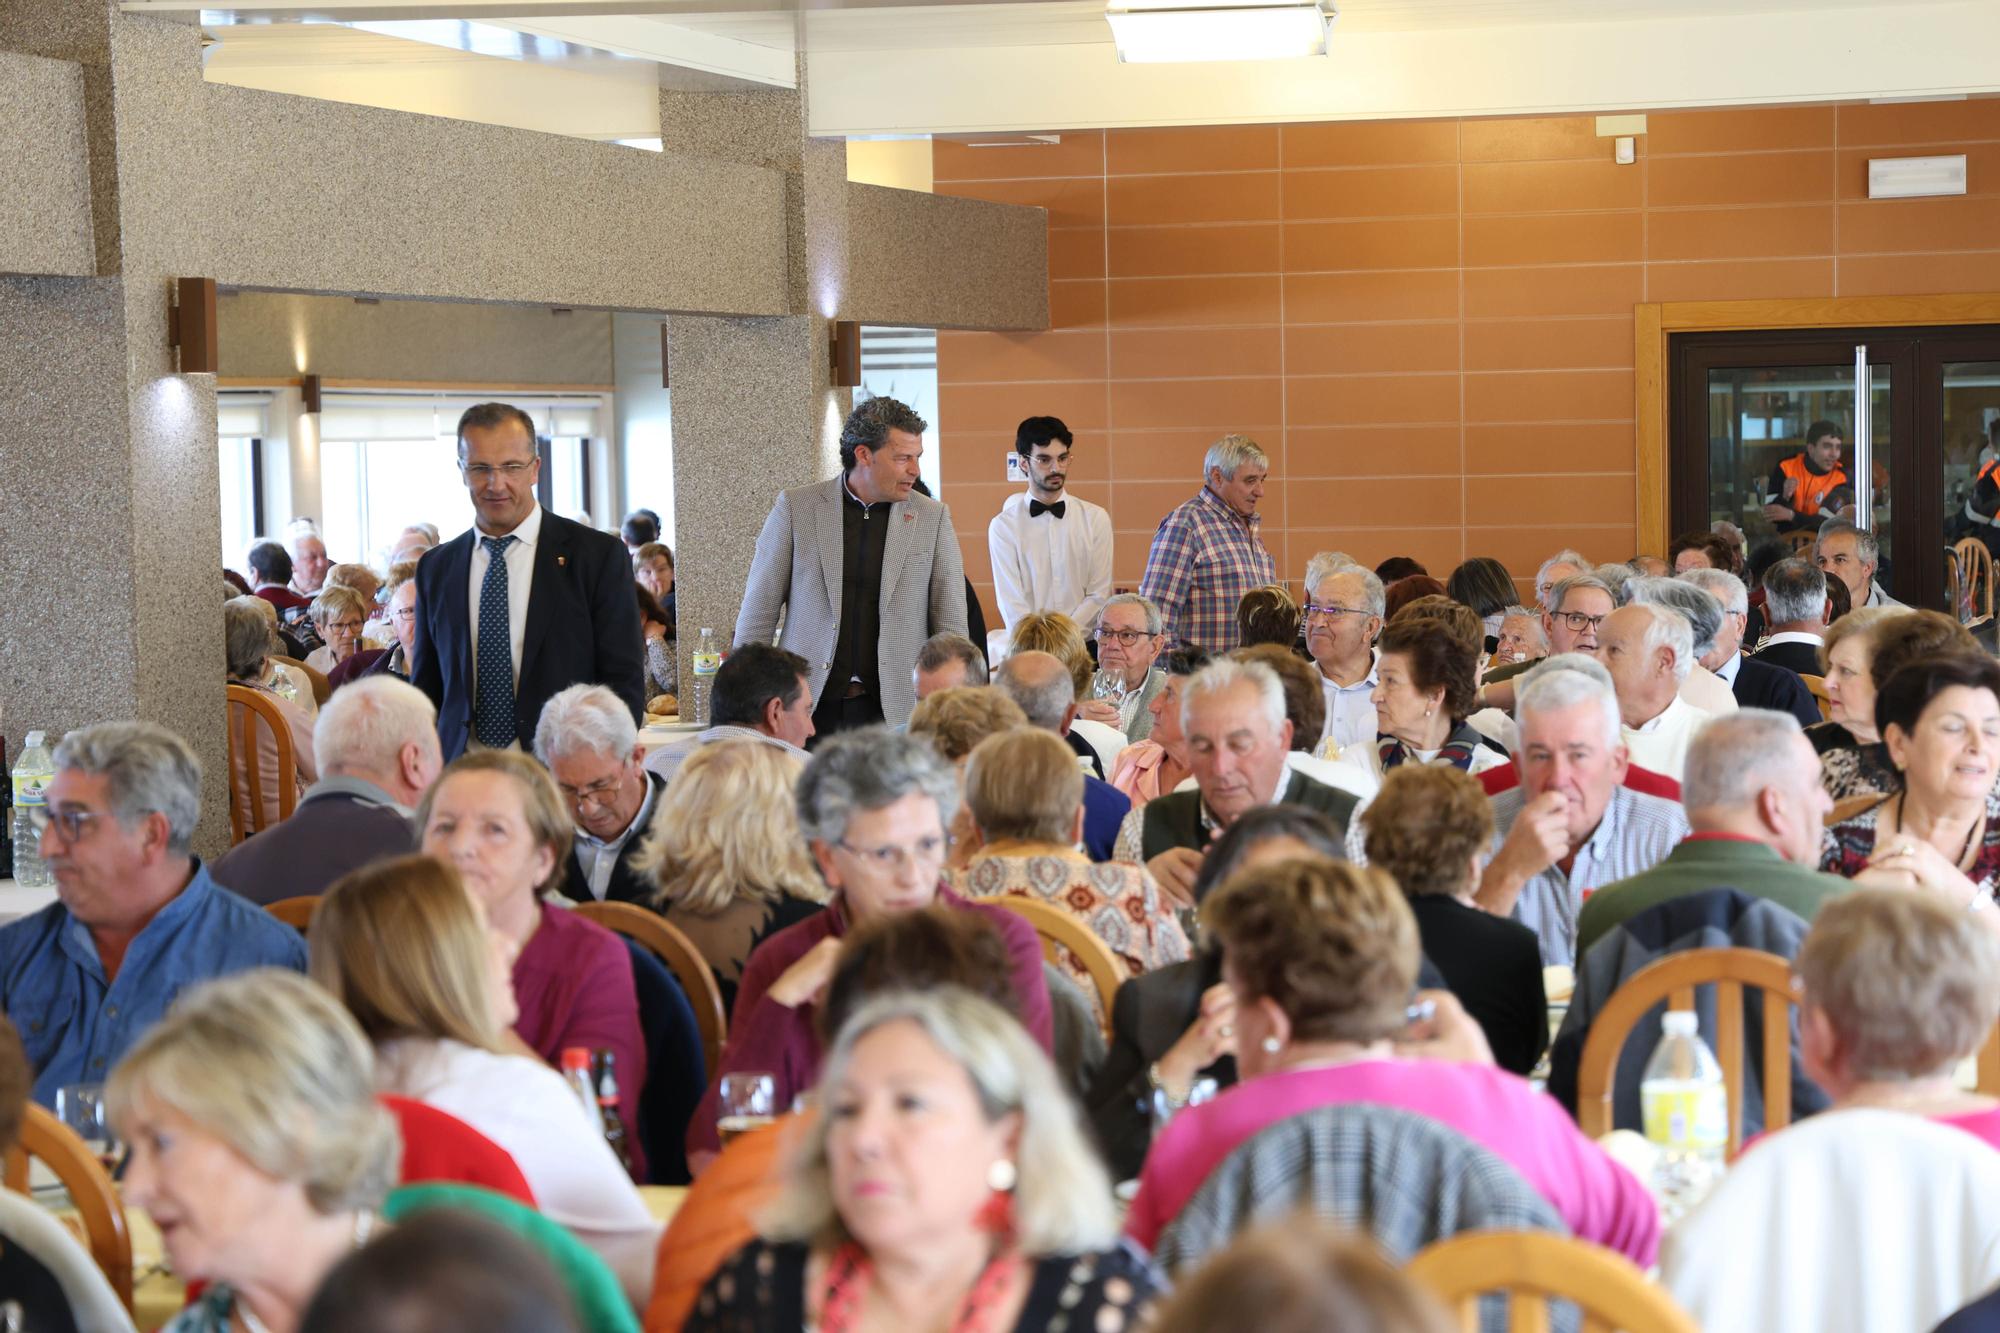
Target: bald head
[(1043, 687)]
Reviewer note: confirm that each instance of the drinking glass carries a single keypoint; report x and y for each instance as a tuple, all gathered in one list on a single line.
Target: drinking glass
[(747, 1100), (81, 1107), (1199, 1091)]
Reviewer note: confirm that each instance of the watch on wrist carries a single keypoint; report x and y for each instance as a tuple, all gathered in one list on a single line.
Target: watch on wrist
[(1158, 1085)]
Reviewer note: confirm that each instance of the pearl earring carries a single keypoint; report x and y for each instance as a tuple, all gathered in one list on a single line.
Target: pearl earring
[(1272, 1046), (1000, 1176)]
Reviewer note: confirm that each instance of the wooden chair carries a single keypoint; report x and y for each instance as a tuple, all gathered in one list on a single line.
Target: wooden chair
[(1955, 592), (1817, 684), (1847, 807), (1975, 563), (1062, 930), (1536, 1267), (1674, 979), (322, 688), (90, 1191), (1989, 1064), (243, 757), (1802, 540), (685, 961), (295, 912)]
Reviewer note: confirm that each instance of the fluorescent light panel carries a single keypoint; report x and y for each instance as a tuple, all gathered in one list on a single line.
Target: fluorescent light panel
[(1232, 32), (1915, 177)]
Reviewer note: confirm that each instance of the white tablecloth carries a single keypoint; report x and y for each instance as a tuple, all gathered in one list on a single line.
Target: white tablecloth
[(659, 733), (17, 902)]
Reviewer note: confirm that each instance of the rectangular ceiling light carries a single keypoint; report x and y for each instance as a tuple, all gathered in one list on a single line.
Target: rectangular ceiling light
[(1915, 177), (1147, 34)]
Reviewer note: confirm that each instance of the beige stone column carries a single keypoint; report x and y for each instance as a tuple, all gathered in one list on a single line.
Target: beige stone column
[(753, 409)]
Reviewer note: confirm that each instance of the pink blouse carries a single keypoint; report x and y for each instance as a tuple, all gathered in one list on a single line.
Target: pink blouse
[(1599, 1199)]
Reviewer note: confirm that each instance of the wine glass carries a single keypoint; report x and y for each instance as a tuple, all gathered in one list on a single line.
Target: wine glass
[(748, 1100), (81, 1107)]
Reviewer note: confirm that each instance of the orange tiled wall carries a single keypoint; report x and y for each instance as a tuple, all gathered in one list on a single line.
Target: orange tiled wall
[(1428, 324)]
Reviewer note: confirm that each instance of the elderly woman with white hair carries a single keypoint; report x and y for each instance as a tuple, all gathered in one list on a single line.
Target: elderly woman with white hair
[(340, 614), (946, 1184), (257, 1145), (247, 640), (874, 806)]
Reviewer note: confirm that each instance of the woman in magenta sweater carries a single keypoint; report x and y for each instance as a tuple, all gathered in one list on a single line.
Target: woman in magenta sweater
[(874, 806), (1322, 957)]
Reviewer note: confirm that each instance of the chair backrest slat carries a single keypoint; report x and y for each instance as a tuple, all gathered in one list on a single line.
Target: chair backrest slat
[(1061, 929), (89, 1187), (1537, 1267), (257, 709), (1777, 1063), (1729, 1053)]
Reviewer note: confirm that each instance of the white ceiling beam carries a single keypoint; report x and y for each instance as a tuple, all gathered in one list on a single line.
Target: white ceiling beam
[(1899, 48), (669, 44)]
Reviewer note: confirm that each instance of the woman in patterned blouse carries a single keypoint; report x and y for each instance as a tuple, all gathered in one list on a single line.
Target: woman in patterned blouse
[(1940, 725)]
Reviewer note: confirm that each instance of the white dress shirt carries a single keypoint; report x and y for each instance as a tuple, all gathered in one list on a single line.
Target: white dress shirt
[(1727, 672), (520, 559), (1350, 711), (1047, 563), (1660, 746)]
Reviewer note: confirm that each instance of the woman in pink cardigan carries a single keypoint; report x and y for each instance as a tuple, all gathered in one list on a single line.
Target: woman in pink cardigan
[(1322, 957)]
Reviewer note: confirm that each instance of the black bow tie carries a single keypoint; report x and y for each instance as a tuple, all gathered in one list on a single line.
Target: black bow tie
[(1037, 507)]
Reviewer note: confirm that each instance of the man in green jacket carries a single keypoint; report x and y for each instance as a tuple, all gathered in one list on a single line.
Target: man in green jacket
[(1754, 800)]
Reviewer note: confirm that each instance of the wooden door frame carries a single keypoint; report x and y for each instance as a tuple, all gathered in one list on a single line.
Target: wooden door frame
[(1653, 322)]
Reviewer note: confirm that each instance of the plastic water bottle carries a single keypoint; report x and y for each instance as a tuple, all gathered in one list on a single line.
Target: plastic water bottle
[(33, 772), (707, 661), (1687, 1114)]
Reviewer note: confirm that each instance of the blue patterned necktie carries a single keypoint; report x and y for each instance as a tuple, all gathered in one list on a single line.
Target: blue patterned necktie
[(493, 700)]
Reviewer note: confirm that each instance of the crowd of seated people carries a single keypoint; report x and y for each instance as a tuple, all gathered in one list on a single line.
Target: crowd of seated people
[(1333, 862)]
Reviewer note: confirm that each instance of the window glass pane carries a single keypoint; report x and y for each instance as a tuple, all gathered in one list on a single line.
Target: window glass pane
[(340, 493), (566, 490), (413, 481), (902, 364), (239, 512), (649, 469)]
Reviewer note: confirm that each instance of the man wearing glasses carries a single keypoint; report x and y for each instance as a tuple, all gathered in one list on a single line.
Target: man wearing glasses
[(590, 745), (1051, 551), (523, 603), (1129, 639), (137, 918), (1342, 620), (401, 613), (1577, 607)]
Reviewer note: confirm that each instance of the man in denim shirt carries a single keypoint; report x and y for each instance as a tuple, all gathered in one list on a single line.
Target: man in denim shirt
[(137, 918)]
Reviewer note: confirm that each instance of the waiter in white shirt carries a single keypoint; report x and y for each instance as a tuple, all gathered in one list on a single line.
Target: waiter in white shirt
[(1051, 551)]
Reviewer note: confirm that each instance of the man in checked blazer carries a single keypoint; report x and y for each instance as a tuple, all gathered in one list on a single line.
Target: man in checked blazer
[(863, 570)]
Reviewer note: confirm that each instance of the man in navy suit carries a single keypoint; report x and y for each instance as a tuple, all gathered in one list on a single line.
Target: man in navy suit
[(522, 605)]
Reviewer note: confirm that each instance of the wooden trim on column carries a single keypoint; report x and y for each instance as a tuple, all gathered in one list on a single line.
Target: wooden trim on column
[(1653, 323)]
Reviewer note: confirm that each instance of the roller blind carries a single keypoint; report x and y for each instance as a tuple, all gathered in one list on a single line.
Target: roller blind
[(366, 416), (242, 415)]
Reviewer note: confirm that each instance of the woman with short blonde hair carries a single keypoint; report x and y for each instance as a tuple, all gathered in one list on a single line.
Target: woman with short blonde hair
[(990, 1205), (727, 854), (257, 1143), (340, 614), (411, 955), (1056, 634), (956, 720), (1025, 794)]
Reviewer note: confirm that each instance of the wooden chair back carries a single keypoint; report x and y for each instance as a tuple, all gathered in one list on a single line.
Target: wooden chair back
[(1817, 684), (1534, 1267), (1060, 930), (1674, 979), (90, 1191), (1975, 564), (1988, 1062), (257, 710), (1956, 599), (322, 688), (295, 912), (1847, 807), (1802, 540), (678, 952)]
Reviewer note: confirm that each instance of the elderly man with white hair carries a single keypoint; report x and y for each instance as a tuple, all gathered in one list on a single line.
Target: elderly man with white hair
[(587, 740), (1129, 639), (1649, 650), (1754, 684), (1571, 826), (1233, 715), (1755, 803), (376, 745), (1207, 553), (1702, 688)]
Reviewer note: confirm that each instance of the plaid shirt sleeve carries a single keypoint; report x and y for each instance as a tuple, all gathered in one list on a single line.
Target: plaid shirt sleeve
[(1170, 572)]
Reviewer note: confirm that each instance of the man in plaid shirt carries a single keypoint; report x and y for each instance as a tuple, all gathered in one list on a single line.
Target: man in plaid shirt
[(1207, 554)]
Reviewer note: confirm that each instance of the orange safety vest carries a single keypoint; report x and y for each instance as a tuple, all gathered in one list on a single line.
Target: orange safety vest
[(1808, 489)]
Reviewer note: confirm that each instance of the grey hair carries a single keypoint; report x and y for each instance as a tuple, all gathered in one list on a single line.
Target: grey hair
[(866, 770), (1324, 563), (1045, 700), (1154, 624), (1736, 755), (1794, 590), (1371, 586), (1722, 585), (1618, 578), (1062, 1193), (1563, 681), (335, 598), (367, 722), (868, 426), (1866, 549), (1533, 618), (147, 770), (247, 636), (585, 718), (1669, 627), (1560, 593), (1227, 672), (1566, 556), (943, 649), (1229, 454), (1702, 612), (274, 1066)]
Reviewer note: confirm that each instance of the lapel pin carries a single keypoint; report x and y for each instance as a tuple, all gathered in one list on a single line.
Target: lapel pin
[(561, 561), (908, 517)]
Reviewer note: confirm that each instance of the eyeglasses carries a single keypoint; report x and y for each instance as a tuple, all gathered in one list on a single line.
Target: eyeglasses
[(1579, 622), (407, 613), (1331, 612), (486, 471), (73, 823), (1127, 637), (599, 793), (929, 850), (346, 626)]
